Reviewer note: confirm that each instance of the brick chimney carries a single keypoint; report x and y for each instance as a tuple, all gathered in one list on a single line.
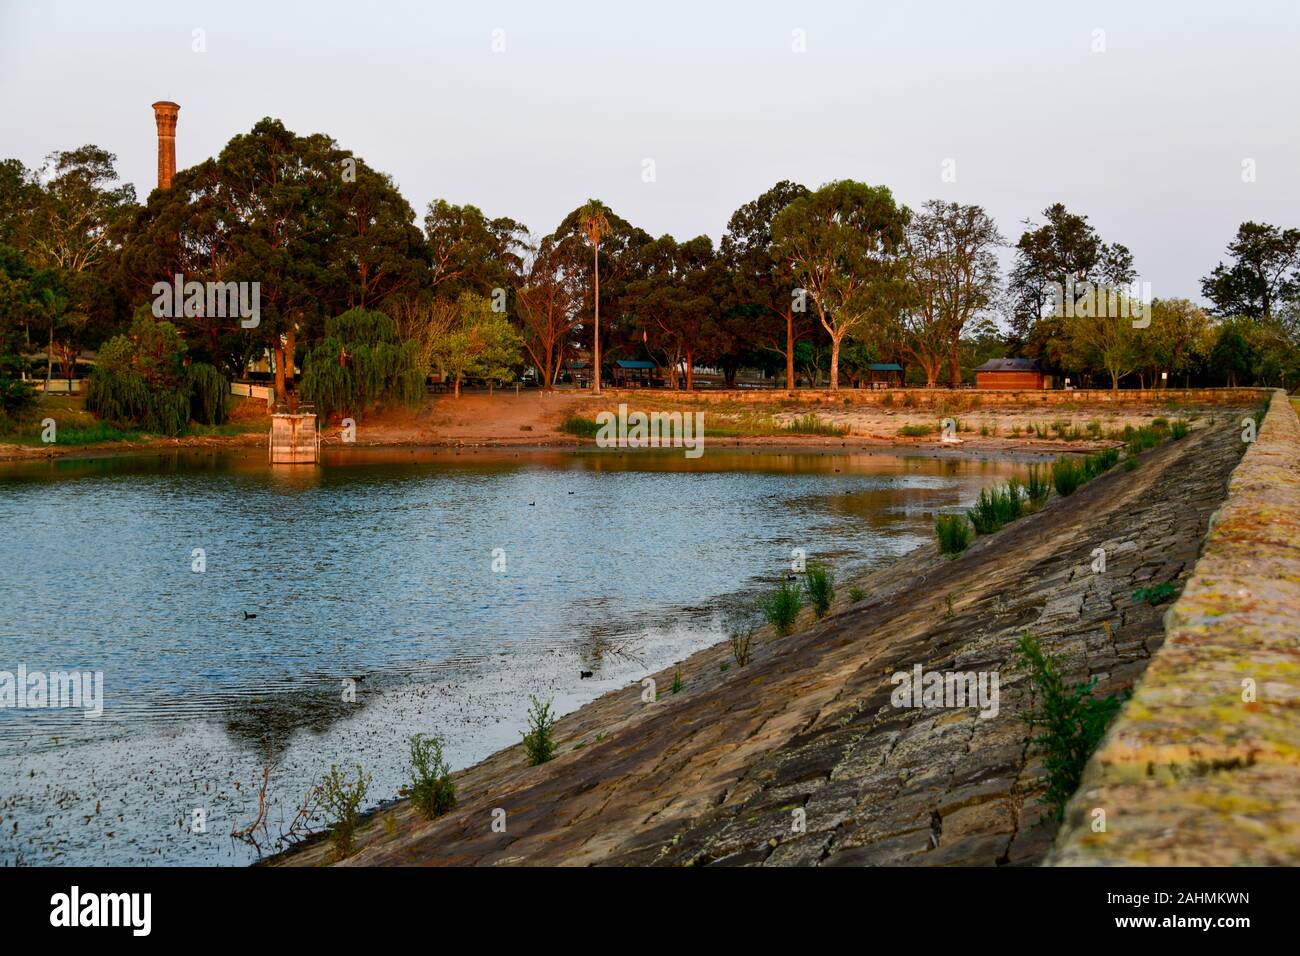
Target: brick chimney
[(165, 113)]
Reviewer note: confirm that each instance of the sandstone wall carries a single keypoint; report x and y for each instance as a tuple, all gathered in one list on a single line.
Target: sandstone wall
[(965, 398), (1202, 766)]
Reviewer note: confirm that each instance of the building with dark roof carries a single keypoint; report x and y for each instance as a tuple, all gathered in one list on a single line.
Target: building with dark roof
[(1010, 373)]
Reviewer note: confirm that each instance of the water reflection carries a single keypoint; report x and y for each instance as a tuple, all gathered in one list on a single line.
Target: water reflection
[(378, 566)]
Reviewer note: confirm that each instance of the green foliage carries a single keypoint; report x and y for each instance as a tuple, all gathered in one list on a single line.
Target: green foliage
[(341, 800), (16, 398), (857, 594), (140, 379), (432, 790), (481, 343), (781, 607), (953, 532), (209, 395), (1131, 464), (1036, 486), (1071, 719), (582, 427), (1100, 463), (820, 580), (996, 507), (1155, 595), (539, 742), (1067, 475), (676, 687), (1141, 439), (1179, 429), (915, 431), (360, 363), (812, 425)]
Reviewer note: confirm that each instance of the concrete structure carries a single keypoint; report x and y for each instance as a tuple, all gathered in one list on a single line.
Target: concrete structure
[(1202, 766), (165, 113), (294, 439), (1010, 373)]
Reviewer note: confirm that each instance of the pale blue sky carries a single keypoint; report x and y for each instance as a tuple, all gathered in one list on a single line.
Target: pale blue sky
[(1146, 138)]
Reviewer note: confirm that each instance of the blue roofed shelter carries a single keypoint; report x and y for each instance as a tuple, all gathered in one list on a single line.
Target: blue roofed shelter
[(884, 375), (634, 373)]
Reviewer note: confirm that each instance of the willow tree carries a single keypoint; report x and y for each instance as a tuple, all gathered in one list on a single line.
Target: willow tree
[(360, 363), (143, 379)]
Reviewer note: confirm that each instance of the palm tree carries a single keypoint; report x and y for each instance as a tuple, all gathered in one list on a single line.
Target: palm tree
[(595, 225)]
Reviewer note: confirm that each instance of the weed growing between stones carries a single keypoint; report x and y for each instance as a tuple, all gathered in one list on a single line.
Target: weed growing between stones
[(1067, 475), (996, 507), (915, 431), (539, 743), (742, 641), (820, 580), (341, 800), (676, 687), (781, 608), (857, 594), (1179, 429), (1072, 722), (953, 532), (1100, 463), (432, 791), (1155, 595)]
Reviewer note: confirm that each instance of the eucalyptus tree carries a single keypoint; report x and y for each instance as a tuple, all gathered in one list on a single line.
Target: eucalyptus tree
[(547, 302), (1265, 272), (764, 284), (844, 243), (318, 230), (1064, 252), (953, 276), (71, 212)]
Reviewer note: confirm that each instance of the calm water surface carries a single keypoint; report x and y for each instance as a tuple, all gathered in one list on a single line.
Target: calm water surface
[(377, 567)]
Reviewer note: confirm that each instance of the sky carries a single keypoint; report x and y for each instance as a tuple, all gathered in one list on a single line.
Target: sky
[(1167, 124)]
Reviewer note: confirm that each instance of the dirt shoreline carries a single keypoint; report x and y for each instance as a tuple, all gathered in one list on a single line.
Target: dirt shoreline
[(506, 420)]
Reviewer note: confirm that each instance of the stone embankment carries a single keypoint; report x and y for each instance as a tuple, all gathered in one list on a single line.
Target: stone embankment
[(1202, 766), (802, 758)]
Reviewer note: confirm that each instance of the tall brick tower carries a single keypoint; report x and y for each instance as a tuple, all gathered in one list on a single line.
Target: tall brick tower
[(164, 114)]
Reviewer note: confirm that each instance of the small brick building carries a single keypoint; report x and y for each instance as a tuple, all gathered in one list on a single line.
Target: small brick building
[(1011, 373)]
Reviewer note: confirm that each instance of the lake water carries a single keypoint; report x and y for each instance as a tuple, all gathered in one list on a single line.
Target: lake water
[(448, 585)]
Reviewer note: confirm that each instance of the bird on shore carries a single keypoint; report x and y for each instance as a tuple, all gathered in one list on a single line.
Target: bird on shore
[(249, 617), (583, 675)]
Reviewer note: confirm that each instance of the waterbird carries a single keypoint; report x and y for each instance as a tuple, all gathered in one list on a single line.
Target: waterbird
[(249, 617), (583, 675)]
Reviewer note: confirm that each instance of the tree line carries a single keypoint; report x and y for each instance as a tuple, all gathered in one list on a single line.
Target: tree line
[(810, 285)]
